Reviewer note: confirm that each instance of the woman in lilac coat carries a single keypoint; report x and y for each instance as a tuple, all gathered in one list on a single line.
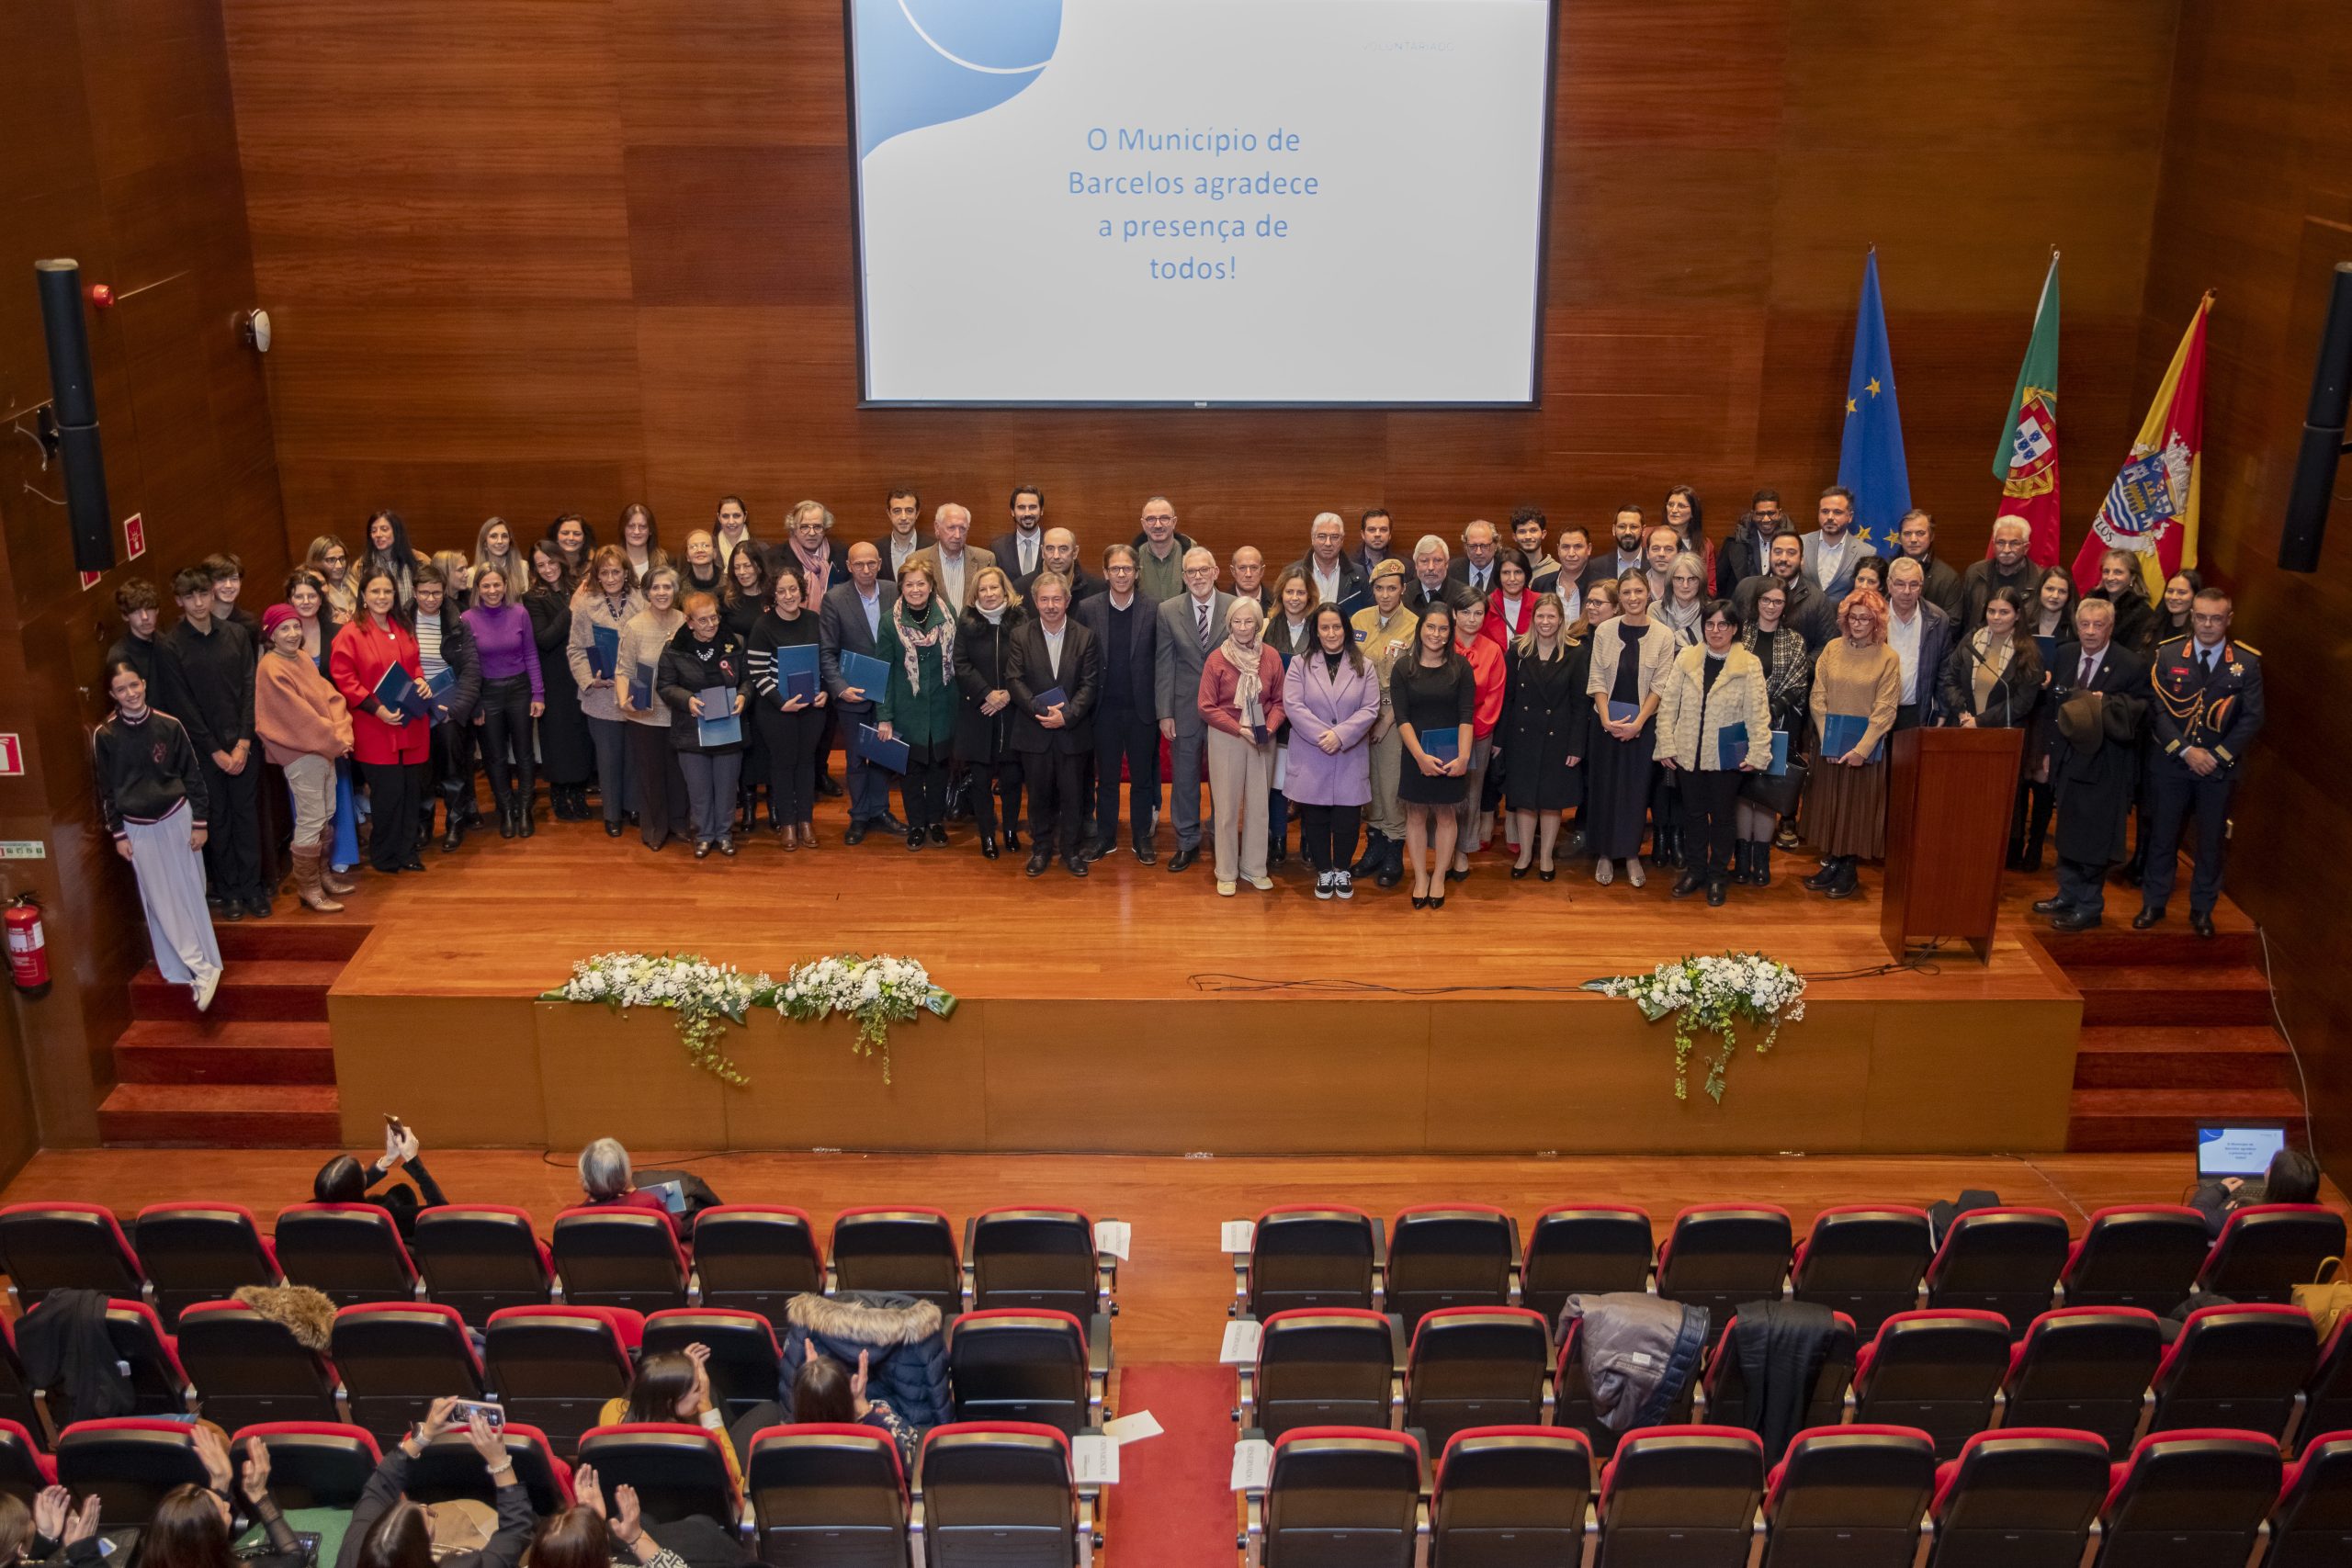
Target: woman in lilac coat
[(1333, 698)]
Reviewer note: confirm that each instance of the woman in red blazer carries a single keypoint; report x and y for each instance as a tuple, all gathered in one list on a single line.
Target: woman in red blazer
[(390, 745), (1510, 607)]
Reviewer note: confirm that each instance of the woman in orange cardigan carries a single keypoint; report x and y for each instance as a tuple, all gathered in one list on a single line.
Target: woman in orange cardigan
[(1241, 698), (304, 728), (391, 746), (1474, 825)]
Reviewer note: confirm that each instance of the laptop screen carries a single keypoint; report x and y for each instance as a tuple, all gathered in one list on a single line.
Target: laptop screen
[(2238, 1151)]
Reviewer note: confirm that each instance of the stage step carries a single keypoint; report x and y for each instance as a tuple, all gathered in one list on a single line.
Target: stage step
[(2154, 1057), (161, 1051), (2120, 1121), (222, 1115), (269, 989), (2220, 996), (2170, 944), (290, 933)]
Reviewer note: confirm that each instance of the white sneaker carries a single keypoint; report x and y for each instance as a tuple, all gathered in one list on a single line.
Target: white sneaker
[(1343, 882), (1262, 883), (1324, 880), (1225, 889), (203, 988)]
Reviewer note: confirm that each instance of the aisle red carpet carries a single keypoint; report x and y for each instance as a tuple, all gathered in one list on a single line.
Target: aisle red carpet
[(1173, 1508)]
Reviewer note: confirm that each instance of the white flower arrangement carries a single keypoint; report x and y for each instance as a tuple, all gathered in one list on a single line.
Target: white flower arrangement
[(703, 995), (877, 992), (1716, 992)]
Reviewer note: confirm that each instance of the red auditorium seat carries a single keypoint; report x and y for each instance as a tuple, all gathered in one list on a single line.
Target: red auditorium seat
[(2311, 1527), (251, 1369), (350, 1251), (1865, 1260), (396, 1359), (1038, 1257), (1681, 1497), (1724, 1393), (907, 1250), (1849, 1497), (16, 1401), (2327, 1401), (312, 1464), (827, 1496), (1476, 1366), (1512, 1497), (158, 1383), (2019, 1497), (131, 1461), (24, 1469), (1000, 1492), (677, 1469), (2002, 1260), (1939, 1372), (2085, 1368), (1338, 1494), (1328, 1367), (1316, 1256), (56, 1246), (479, 1257), (555, 1367), (2138, 1255), (202, 1252), (1449, 1255), (1584, 1249), (2190, 1498), (1016, 1365), (449, 1468), (1720, 1256), (2242, 1368), (746, 1366), (2267, 1249), (757, 1257), (621, 1257)]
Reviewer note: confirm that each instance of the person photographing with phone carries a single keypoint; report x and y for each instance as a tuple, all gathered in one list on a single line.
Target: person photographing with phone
[(389, 1529), (344, 1180)]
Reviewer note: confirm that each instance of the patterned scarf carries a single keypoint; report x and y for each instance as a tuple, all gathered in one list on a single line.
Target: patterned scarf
[(1247, 688), (914, 636), (816, 569)]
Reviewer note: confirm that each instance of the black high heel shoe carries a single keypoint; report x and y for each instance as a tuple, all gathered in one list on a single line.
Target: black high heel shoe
[(1519, 872), (1438, 902), (1420, 902), (1547, 872)]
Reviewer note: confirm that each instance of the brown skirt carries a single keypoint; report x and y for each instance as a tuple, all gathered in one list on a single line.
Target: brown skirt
[(1845, 810)]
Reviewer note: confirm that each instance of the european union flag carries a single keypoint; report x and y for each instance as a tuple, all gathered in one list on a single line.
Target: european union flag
[(1870, 461)]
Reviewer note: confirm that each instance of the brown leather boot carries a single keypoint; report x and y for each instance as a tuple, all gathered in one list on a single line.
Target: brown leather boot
[(307, 882), (332, 881)]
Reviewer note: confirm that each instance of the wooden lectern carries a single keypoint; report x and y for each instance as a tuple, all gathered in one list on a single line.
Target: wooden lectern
[(1948, 806)]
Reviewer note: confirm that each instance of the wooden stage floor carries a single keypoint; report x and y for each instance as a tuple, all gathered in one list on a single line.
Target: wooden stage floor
[(1175, 1288), (503, 919)]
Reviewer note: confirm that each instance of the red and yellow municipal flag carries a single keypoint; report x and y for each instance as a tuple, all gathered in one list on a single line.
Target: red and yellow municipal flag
[(2151, 509), (2027, 461)]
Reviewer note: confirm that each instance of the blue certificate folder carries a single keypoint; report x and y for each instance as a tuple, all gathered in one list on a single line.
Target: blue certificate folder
[(867, 673), (1045, 701), (641, 689), (1443, 745), (442, 684), (603, 651), (398, 690), (795, 672), (1733, 738), (891, 754), (716, 720), (1842, 732), (1623, 713)]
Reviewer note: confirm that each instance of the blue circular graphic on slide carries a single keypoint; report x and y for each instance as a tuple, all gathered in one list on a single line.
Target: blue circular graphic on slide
[(928, 62)]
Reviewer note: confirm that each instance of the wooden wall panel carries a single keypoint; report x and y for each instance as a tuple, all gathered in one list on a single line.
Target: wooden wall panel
[(123, 117), (2257, 204), (1718, 170)]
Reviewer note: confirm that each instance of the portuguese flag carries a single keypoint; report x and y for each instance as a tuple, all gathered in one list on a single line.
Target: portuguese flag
[(2027, 460), (2151, 509)]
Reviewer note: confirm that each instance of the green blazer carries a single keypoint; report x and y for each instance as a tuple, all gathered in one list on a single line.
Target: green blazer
[(919, 718)]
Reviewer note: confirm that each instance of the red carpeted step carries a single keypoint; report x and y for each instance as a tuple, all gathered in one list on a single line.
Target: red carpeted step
[(1172, 1507), (292, 933), (2170, 944), (222, 1115), (2221, 996), (161, 1051), (280, 989), (2151, 1057), (2123, 1121)]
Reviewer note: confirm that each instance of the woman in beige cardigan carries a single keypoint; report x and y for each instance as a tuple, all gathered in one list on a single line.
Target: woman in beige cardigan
[(1630, 656), (304, 727), (1857, 677), (1715, 728)]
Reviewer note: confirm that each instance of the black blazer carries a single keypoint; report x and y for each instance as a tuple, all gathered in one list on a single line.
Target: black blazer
[(983, 661), (841, 625), (1457, 570), (1007, 550), (1082, 679), (1093, 612), (889, 573)]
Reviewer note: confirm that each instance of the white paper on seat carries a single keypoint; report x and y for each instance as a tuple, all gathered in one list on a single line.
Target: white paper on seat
[(1240, 1346), (1094, 1460), (1238, 1236), (1253, 1463), (1132, 1428), (1114, 1237)]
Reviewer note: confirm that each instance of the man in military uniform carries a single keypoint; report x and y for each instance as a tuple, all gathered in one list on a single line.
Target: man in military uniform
[(1385, 629), (2208, 710)]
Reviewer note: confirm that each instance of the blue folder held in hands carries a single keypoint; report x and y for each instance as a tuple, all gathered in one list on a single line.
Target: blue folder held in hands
[(867, 673), (1623, 713), (716, 720), (1732, 747), (1842, 732), (641, 688), (1443, 745), (397, 690), (891, 754), (795, 672), (603, 651), (1047, 701)]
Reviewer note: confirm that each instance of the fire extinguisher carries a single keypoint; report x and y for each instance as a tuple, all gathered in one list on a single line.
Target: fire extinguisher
[(28, 946)]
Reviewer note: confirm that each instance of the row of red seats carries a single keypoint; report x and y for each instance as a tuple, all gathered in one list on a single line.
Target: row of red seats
[(553, 1368), (1869, 1261), (1953, 1373), (813, 1492), (480, 1257), (1844, 1497)]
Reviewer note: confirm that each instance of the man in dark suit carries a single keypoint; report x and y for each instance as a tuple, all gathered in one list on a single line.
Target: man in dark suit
[(1190, 625), (1921, 636), (904, 538), (1430, 581), (1059, 556), (851, 622), (1332, 574), (1475, 568), (1022, 552), (1530, 531), (1834, 549), (2093, 764), (1573, 571), (2208, 711), (1374, 531), (1916, 537), (1807, 612), (1126, 626), (1051, 653), (1747, 553), (2009, 566)]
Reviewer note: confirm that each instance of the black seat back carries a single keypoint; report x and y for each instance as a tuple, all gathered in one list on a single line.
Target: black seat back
[(1332, 1368), (311, 1464), (904, 1251), (1448, 1255), (352, 1252), (1850, 1497), (556, 1368), (1584, 1249), (828, 1496), (2143, 1255), (1681, 1497), (1303, 1257), (395, 1359), (2190, 1498), (2265, 1251), (1720, 1256), (2236, 1367), (997, 1492), (481, 1258), (250, 1370), (1512, 1497), (745, 1364), (756, 1256), (1865, 1262), (1010, 1365), (131, 1461), (677, 1469), (1342, 1499), (52, 1246), (2019, 1497), (201, 1252), (1475, 1367), (2312, 1524), (2002, 1260), (1939, 1372), (2085, 1368), (1038, 1258), (619, 1258)]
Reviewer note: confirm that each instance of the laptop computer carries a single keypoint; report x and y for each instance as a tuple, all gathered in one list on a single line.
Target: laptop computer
[(2238, 1151)]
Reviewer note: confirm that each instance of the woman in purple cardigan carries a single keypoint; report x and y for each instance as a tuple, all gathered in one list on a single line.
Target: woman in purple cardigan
[(1333, 700)]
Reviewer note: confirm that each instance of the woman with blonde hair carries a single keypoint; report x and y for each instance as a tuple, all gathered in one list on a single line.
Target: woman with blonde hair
[(985, 634), (663, 810), (331, 560), (496, 545), (607, 602), (1857, 686), (456, 577), (1545, 721), (701, 571)]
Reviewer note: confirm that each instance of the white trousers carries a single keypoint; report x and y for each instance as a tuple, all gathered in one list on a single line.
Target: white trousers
[(171, 888)]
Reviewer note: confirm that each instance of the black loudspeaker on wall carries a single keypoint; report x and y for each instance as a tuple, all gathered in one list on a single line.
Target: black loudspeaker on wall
[(2314, 485), (77, 413)]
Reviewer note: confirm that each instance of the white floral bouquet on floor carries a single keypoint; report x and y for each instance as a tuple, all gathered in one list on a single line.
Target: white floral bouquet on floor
[(1716, 992), (704, 995), (877, 992)]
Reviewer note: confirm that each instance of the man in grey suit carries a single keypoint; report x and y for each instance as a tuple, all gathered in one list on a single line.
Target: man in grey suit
[(1190, 625), (851, 622), (1834, 549)]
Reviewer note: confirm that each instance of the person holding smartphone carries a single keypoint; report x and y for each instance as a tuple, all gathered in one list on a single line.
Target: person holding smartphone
[(344, 1180), (389, 1529)]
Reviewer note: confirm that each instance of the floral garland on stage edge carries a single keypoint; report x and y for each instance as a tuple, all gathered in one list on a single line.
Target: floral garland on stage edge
[(876, 992), (1716, 993)]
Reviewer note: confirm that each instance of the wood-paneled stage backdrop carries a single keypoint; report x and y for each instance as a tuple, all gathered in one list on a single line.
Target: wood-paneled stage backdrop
[(526, 255)]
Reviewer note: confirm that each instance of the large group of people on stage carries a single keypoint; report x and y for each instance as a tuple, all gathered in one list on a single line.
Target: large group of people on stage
[(1656, 697)]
